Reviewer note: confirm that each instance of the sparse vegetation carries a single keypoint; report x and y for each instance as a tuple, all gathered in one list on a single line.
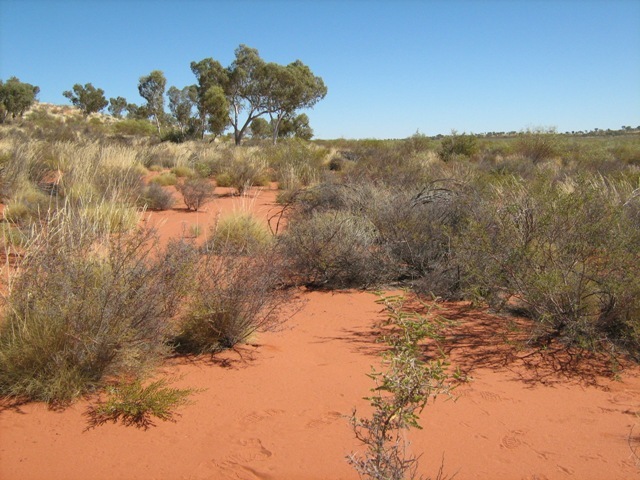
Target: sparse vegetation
[(135, 404), (399, 396)]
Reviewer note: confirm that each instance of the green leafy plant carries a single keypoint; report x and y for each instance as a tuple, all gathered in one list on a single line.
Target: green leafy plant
[(135, 404), (400, 394)]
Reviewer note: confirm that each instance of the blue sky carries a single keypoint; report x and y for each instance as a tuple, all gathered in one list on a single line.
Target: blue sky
[(391, 67)]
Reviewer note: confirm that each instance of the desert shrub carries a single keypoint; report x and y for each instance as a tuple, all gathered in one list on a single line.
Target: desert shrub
[(239, 233), (224, 180), (400, 394), (182, 171), (165, 179), (135, 404), (234, 297), (28, 205), (244, 173), (196, 192), (85, 306), (561, 252), (457, 146), (154, 197), (295, 163), (416, 227), (537, 145), (119, 183), (334, 249), (134, 127), (114, 217)]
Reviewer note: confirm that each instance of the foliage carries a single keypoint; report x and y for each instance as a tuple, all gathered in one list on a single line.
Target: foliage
[(154, 197), (252, 88), (537, 145), (334, 249), (240, 234), (234, 297), (117, 106), (85, 306), (87, 98), (195, 192), (400, 395), (457, 145), (16, 97), (151, 88), (564, 254), (165, 179), (135, 405), (181, 103)]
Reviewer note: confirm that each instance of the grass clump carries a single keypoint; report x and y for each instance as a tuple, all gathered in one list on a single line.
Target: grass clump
[(85, 306), (239, 233), (234, 297), (154, 197), (137, 405), (165, 179)]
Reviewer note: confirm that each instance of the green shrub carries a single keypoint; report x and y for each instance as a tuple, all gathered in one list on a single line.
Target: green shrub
[(154, 197), (196, 192), (537, 145), (84, 307), (165, 179), (457, 146), (182, 171), (135, 405), (334, 249), (564, 253), (400, 394), (234, 297), (239, 233), (134, 127)]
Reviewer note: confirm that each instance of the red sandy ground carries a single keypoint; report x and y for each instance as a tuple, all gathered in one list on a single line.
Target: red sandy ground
[(275, 409)]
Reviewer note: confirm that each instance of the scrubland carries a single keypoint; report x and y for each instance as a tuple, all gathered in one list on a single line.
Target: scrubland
[(538, 232)]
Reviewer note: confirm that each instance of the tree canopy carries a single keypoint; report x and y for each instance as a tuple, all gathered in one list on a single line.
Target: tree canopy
[(253, 88), (16, 97), (151, 88), (87, 98)]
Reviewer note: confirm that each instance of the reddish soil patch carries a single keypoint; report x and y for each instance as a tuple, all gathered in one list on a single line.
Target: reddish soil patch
[(275, 409)]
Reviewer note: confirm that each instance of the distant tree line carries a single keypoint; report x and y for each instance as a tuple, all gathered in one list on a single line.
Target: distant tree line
[(239, 97)]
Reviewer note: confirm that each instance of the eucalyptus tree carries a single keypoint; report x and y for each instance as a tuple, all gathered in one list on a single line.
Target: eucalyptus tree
[(151, 88), (181, 103), (292, 87), (16, 97), (253, 88), (117, 106), (87, 98)]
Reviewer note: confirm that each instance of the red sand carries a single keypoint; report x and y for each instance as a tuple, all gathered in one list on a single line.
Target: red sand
[(274, 409)]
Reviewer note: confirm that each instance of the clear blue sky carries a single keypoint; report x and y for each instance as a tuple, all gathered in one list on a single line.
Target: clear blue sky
[(391, 67)]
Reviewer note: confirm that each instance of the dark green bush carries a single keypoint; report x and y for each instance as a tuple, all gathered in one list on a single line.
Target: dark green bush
[(457, 146)]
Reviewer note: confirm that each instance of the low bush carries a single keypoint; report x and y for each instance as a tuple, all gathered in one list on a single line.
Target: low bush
[(196, 192), (154, 197), (134, 404), (182, 171), (561, 252), (537, 145), (240, 234), (400, 394), (234, 297), (334, 249), (165, 179), (457, 146), (85, 306)]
